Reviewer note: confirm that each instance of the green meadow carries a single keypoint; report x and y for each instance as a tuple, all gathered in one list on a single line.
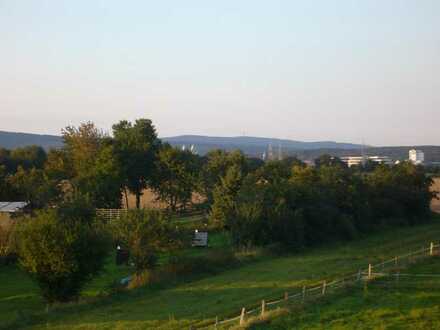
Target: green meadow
[(410, 303), (196, 301)]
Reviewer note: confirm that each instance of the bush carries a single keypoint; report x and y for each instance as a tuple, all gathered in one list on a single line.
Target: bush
[(310, 206), (62, 252), (180, 266), (7, 246), (145, 233)]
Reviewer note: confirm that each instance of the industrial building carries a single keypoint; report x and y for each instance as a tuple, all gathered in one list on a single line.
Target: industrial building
[(416, 157), (362, 160)]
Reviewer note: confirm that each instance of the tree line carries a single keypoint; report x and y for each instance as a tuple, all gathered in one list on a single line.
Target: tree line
[(106, 168), (283, 202), (296, 206)]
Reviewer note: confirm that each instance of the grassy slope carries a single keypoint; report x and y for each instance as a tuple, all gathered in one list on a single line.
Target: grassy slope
[(411, 304), (222, 294)]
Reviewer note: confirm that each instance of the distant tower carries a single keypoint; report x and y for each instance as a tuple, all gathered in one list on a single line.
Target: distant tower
[(263, 156), (280, 152), (417, 157), (183, 147), (193, 149), (363, 155), (270, 152)]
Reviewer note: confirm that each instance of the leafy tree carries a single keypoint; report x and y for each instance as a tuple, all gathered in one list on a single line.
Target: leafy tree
[(58, 166), (145, 233), (331, 202), (175, 177), (6, 161), (217, 163), (29, 157), (88, 161), (62, 251), (5, 189), (81, 145), (106, 179), (402, 191), (327, 160), (136, 147), (35, 187), (26, 157), (254, 164), (224, 196)]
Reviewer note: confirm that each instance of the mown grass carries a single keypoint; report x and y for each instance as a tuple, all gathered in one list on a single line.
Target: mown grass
[(410, 303), (194, 303)]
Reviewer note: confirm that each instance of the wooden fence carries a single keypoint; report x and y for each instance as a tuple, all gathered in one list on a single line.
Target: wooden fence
[(111, 214), (305, 294)]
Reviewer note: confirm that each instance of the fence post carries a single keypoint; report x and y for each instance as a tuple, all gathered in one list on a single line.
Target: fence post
[(216, 322), (369, 271), (431, 249), (263, 307), (286, 295), (304, 294), (395, 260), (242, 315), (359, 275), (324, 285)]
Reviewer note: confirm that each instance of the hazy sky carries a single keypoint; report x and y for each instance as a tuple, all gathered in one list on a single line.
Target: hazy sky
[(305, 70)]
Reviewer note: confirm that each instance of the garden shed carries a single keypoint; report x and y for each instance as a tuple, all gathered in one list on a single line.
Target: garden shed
[(9, 211)]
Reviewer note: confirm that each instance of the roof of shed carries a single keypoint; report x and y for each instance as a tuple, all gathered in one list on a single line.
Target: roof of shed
[(12, 207)]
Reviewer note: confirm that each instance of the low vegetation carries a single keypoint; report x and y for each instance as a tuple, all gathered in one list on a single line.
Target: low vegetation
[(200, 300), (260, 210), (411, 303)]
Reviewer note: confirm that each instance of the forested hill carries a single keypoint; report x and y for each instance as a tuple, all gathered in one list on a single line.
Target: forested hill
[(253, 146), (12, 140), (203, 144)]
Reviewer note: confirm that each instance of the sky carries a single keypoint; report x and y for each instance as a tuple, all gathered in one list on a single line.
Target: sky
[(347, 71)]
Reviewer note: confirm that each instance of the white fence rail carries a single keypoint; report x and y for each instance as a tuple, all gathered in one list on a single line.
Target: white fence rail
[(324, 288)]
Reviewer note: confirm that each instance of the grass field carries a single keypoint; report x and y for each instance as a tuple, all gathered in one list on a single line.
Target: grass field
[(411, 303), (179, 306)]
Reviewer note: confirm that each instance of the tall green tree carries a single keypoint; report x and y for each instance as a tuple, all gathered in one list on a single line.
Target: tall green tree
[(224, 196), (88, 161), (35, 187), (176, 176), (62, 250), (29, 157), (81, 145), (146, 233), (216, 164), (136, 147)]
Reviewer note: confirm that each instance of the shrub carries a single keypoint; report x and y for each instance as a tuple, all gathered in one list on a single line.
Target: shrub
[(145, 233), (61, 252), (7, 246), (214, 261)]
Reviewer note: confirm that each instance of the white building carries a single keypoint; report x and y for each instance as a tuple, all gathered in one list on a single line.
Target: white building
[(358, 160), (416, 156)]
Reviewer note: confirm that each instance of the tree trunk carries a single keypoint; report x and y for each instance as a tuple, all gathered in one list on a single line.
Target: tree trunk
[(126, 197), (138, 200)]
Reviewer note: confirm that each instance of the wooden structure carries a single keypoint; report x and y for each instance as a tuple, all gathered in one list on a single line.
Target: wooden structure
[(9, 211), (200, 239)]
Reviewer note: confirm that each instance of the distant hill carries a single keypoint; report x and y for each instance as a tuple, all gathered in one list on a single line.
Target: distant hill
[(12, 140), (252, 145)]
